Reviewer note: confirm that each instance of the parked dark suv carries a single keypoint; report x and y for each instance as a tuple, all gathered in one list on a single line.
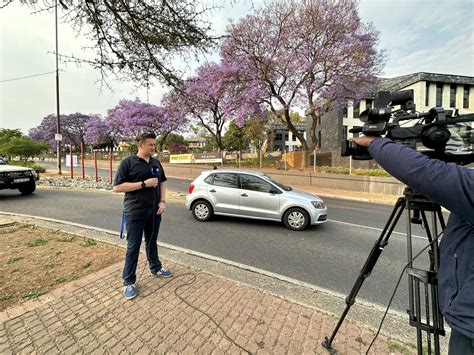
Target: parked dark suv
[(17, 177)]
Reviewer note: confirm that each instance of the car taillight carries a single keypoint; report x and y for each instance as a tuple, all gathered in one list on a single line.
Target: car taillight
[(191, 188)]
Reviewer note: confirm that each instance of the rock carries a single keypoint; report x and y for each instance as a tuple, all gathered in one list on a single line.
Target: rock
[(87, 183)]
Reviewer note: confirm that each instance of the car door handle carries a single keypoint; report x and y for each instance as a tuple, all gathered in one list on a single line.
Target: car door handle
[(212, 190), (244, 195)]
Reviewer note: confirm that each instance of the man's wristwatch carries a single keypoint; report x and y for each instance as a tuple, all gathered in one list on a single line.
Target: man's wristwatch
[(143, 184)]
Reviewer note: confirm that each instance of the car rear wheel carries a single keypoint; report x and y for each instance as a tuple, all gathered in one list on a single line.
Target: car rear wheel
[(202, 211), (296, 219), (27, 189)]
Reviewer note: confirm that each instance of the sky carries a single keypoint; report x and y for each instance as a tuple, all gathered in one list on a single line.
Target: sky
[(418, 35)]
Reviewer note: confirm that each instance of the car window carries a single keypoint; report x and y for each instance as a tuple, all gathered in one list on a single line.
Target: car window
[(2, 162), (250, 182), (279, 184), (210, 179), (225, 179)]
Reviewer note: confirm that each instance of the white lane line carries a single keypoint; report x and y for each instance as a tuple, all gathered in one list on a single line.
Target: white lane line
[(374, 229)]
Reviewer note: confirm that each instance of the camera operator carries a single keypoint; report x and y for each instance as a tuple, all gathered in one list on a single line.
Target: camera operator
[(451, 186)]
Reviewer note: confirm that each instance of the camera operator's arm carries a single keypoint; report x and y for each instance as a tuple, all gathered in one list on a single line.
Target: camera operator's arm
[(450, 185)]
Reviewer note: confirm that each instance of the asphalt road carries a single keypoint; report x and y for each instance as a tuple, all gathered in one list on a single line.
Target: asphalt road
[(329, 256)]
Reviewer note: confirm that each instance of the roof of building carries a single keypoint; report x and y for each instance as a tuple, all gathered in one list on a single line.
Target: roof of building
[(400, 82), (196, 139)]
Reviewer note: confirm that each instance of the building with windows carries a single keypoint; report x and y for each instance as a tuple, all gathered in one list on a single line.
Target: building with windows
[(196, 142), (430, 90), (279, 137)]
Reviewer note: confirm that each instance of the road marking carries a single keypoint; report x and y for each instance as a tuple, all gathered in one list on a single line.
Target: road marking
[(374, 229)]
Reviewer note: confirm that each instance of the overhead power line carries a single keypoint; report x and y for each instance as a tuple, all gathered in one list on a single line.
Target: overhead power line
[(27, 77)]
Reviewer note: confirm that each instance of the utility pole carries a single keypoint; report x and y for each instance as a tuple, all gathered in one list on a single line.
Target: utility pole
[(58, 137), (58, 122)]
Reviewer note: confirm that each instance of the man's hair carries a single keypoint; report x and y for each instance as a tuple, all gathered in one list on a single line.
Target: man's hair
[(144, 136)]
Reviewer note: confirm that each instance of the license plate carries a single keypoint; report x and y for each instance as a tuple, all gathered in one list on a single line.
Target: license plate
[(21, 180)]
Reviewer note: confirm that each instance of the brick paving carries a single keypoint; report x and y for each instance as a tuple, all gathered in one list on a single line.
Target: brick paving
[(191, 313)]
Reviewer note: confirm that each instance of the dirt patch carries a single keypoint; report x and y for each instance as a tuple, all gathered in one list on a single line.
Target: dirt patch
[(35, 260)]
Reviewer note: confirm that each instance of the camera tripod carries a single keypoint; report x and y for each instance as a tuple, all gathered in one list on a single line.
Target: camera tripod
[(424, 313)]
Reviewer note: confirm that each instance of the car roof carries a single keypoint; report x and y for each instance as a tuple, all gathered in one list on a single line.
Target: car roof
[(235, 171)]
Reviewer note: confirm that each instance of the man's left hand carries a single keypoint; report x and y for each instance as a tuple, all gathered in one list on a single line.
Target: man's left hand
[(161, 207), (364, 141)]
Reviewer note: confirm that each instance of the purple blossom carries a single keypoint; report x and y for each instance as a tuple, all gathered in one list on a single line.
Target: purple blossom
[(311, 55)]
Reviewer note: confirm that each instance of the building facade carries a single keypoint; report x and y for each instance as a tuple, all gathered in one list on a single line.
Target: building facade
[(196, 142), (429, 89), (280, 138)]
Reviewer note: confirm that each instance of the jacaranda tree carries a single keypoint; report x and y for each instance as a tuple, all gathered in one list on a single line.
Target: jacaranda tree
[(130, 118), (209, 99), (98, 132), (313, 55), (73, 129)]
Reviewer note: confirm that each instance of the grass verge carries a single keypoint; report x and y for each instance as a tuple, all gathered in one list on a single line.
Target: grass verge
[(36, 260)]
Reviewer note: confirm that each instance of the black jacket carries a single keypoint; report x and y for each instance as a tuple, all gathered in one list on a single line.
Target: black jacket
[(452, 187)]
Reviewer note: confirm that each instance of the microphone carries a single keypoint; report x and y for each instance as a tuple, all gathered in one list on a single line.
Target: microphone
[(155, 171)]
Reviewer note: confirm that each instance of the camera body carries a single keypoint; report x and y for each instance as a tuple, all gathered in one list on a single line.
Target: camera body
[(430, 135)]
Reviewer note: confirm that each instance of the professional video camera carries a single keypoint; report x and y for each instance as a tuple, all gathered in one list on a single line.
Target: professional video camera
[(439, 134)]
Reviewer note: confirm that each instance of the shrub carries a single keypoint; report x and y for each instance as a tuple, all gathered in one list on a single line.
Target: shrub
[(28, 164)]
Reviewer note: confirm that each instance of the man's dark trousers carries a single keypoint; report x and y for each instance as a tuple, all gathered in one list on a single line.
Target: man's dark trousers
[(139, 224), (459, 344)]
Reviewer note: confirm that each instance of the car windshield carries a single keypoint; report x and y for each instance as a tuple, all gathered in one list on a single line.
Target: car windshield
[(279, 184), (3, 162)]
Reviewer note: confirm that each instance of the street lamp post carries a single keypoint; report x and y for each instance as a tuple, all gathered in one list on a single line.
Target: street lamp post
[(58, 122)]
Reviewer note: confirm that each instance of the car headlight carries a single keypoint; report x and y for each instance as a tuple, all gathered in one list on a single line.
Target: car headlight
[(318, 204), (34, 173)]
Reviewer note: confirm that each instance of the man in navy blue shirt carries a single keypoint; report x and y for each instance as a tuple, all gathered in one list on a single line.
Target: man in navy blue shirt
[(143, 180), (451, 186)]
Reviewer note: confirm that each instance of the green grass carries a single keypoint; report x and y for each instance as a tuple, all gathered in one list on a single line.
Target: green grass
[(4, 298), (37, 242), (33, 294), (88, 242), (396, 347), (59, 280), (14, 259), (67, 239), (50, 266), (87, 265), (345, 171)]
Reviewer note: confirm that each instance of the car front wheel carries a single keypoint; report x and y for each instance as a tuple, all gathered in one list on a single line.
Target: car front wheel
[(202, 211), (27, 189), (296, 219)]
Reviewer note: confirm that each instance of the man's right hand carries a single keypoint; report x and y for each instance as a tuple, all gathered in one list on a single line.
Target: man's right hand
[(152, 182)]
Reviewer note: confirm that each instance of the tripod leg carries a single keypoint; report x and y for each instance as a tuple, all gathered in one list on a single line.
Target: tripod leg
[(432, 324), (366, 270)]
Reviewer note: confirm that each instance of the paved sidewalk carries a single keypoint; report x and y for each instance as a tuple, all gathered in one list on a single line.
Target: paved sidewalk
[(194, 312)]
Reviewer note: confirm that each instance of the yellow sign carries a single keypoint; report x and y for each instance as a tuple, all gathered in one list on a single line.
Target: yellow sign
[(181, 158)]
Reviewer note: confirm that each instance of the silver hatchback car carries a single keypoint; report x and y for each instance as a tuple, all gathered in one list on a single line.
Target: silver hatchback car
[(252, 194)]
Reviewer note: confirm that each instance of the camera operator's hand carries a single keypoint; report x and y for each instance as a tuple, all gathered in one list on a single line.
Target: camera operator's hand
[(152, 182), (364, 141)]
